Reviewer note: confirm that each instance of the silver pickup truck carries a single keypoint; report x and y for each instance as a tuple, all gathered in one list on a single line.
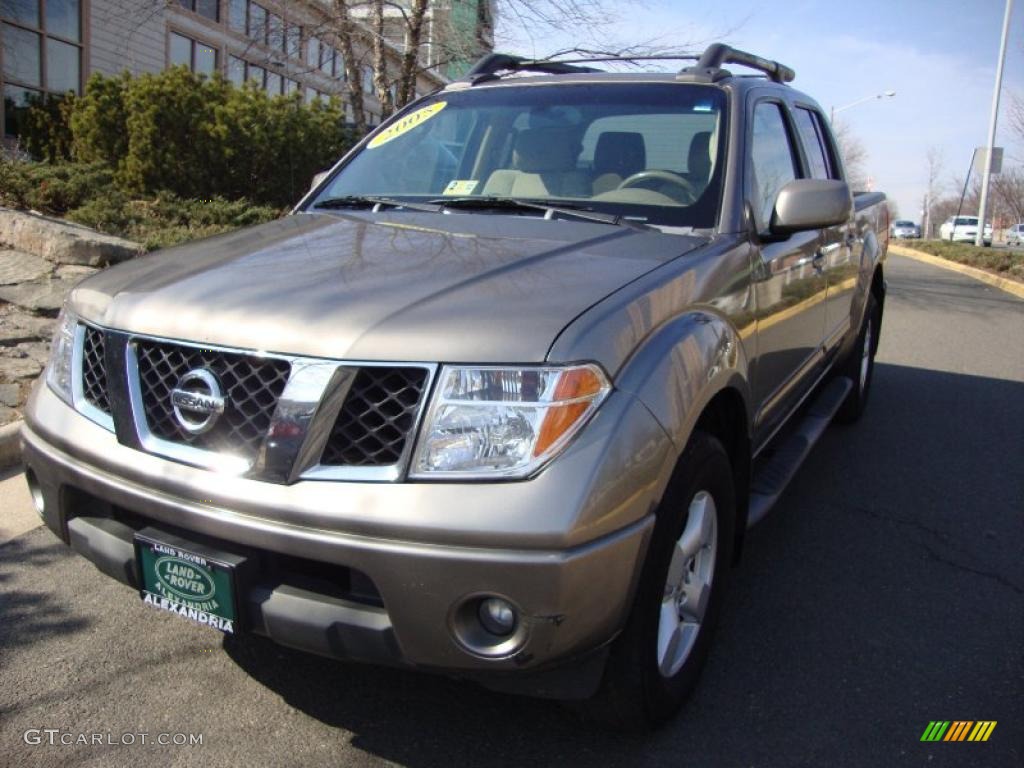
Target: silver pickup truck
[(499, 398)]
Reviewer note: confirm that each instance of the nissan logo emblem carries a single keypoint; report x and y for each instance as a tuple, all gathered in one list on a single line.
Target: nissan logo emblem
[(197, 401)]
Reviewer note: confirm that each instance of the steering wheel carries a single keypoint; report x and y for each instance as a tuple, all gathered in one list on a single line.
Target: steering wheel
[(665, 177)]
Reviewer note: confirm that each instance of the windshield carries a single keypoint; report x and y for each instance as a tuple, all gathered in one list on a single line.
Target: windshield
[(648, 152), (904, 224), (966, 221)]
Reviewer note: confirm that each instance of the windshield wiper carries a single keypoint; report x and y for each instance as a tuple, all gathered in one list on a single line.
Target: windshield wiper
[(372, 201), (569, 209)]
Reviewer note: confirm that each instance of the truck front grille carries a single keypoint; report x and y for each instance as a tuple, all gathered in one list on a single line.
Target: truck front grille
[(250, 384), (94, 369), (377, 418)]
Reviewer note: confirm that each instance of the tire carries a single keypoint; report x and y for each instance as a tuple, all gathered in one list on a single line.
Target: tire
[(636, 694), (859, 365)]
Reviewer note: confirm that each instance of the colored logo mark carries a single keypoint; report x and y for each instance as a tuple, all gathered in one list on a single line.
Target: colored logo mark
[(958, 730)]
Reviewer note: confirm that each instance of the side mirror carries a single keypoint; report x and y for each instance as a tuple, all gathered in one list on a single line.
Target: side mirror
[(811, 204), (317, 179)]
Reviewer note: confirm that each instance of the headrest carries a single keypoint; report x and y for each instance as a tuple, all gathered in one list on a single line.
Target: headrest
[(543, 150), (699, 164), (620, 152)]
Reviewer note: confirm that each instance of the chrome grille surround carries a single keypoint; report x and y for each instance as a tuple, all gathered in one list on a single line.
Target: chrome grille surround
[(286, 433)]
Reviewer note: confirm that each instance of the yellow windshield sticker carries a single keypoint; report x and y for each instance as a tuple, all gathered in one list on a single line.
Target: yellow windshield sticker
[(461, 187), (406, 124)]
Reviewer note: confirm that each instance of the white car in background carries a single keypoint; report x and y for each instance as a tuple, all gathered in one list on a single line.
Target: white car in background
[(1014, 235), (963, 229)]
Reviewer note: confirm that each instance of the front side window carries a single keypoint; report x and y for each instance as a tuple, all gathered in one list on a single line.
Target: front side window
[(814, 147), (772, 163), (652, 152)]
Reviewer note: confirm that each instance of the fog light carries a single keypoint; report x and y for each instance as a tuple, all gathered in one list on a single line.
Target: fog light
[(497, 616), (35, 491)]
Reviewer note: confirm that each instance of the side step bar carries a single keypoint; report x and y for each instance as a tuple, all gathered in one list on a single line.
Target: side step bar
[(771, 479)]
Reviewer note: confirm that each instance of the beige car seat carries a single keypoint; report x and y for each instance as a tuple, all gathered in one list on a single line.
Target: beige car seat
[(543, 165)]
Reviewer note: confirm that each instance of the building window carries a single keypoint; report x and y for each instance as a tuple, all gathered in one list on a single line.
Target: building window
[(291, 86), (274, 82), (313, 52), (198, 57), (209, 9), (257, 74), (236, 70), (327, 60), (236, 15), (368, 79), (257, 22), (293, 40), (275, 32), (41, 53), (312, 94)]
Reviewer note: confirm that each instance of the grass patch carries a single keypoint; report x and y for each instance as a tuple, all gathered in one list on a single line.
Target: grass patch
[(1002, 261)]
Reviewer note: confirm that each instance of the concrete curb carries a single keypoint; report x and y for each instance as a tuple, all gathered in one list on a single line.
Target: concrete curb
[(10, 445), (1002, 283)]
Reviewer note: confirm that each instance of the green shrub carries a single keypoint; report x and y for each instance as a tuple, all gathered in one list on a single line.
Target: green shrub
[(52, 188), (193, 136), (45, 130), (168, 220), (99, 123)]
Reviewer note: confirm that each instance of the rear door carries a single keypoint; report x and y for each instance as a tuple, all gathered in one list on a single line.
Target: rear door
[(790, 286), (840, 245)]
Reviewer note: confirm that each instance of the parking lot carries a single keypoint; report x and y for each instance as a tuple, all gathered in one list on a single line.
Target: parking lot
[(885, 591)]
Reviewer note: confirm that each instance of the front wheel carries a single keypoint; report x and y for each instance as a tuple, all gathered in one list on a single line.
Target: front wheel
[(860, 365), (656, 661)]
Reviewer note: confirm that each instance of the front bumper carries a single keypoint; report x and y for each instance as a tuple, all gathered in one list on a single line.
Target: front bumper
[(564, 548)]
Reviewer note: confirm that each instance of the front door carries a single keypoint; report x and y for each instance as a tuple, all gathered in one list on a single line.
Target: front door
[(790, 279)]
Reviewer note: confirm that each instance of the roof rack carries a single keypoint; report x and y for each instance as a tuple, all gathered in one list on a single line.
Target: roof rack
[(709, 67)]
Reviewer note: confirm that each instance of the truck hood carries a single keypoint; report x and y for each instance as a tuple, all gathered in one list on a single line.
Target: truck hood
[(402, 285)]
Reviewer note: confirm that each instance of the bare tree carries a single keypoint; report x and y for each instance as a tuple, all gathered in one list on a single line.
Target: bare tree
[(934, 189), (854, 155), (1008, 195)]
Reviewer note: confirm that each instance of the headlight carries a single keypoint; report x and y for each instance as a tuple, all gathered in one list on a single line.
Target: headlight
[(58, 372), (504, 422)]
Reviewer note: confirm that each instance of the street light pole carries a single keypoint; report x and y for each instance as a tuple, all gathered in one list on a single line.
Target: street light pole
[(882, 95), (979, 239)]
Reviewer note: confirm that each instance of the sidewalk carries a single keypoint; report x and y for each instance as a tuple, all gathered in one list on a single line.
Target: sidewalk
[(17, 515)]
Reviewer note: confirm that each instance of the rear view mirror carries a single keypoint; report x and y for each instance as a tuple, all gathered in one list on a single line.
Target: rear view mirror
[(811, 204)]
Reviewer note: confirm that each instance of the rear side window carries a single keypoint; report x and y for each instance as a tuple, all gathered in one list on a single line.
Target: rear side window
[(807, 123), (772, 164)]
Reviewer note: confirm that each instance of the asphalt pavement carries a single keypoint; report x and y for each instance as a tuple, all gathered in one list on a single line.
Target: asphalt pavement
[(885, 591)]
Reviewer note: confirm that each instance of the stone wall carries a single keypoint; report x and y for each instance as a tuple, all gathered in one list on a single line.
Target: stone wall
[(41, 259)]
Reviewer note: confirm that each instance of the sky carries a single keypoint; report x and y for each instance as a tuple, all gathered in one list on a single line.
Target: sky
[(938, 56)]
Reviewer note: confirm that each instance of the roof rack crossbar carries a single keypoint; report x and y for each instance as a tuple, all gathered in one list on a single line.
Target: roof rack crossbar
[(718, 54), (493, 63)]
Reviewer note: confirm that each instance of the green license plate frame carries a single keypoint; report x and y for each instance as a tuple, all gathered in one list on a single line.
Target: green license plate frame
[(190, 579)]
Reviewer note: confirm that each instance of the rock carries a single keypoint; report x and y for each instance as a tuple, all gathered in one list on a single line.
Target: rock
[(19, 368), (7, 415), (18, 327), (36, 350), (62, 243), (10, 395), (75, 272), (21, 267), (38, 296)]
